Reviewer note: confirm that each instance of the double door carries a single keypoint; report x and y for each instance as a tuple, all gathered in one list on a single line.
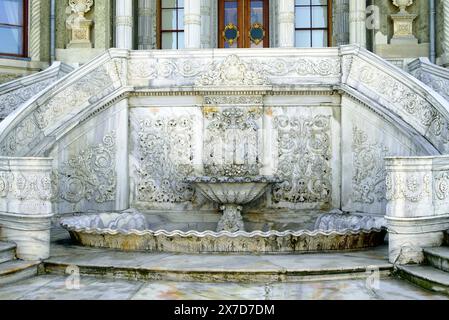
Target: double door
[(243, 24)]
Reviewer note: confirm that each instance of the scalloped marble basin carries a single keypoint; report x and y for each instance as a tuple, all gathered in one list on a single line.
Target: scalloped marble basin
[(231, 193), (131, 231)]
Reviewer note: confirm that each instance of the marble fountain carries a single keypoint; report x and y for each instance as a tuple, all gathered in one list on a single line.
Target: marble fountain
[(132, 230), (232, 164)]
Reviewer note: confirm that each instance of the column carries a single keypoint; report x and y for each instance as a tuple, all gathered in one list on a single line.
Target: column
[(124, 24), (206, 24), (445, 44), (341, 30), (286, 23), (103, 29), (145, 25), (26, 206), (357, 22), (35, 30), (192, 24)]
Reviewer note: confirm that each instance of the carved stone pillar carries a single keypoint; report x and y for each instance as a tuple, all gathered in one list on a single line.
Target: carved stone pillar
[(145, 24), (445, 45), (341, 23), (35, 30), (192, 24), (286, 23), (124, 24), (206, 24), (417, 205), (357, 22), (26, 193)]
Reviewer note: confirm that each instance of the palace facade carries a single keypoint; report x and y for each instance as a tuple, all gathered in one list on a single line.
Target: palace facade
[(35, 33)]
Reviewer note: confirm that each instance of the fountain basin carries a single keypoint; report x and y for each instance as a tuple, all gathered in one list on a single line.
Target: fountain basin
[(131, 232), (231, 193)]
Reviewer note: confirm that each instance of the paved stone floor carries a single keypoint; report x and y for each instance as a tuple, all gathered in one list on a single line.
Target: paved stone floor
[(91, 288), (53, 286)]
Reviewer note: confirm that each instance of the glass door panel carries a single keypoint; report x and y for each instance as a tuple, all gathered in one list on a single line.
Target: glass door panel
[(243, 24)]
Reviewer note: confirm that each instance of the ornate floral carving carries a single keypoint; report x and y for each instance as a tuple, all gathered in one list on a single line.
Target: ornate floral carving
[(89, 88), (166, 157), (91, 174), (75, 95), (32, 187), (301, 67), (10, 101), (441, 185), (368, 168), (304, 152), (164, 68), (404, 100), (439, 84), (232, 72), (231, 144), (5, 183), (411, 187)]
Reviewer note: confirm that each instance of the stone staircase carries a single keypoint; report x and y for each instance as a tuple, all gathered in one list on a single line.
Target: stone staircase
[(433, 274), (11, 269)]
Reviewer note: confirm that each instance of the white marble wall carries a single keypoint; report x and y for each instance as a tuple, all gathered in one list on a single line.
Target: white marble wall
[(367, 138), (90, 165)]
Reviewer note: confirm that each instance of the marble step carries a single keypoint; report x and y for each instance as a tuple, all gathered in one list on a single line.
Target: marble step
[(7, 251), (426, 277), (16, 270), (438, 257)]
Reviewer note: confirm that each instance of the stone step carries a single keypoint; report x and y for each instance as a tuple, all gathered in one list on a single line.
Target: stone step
[(438, 257), (7, 251), (426, 277), (16, 270)]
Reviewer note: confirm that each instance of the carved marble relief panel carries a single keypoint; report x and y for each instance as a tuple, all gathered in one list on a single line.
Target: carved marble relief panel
[(89, 175), (368, 178), (303, 140), (164, 158), (232, 141)]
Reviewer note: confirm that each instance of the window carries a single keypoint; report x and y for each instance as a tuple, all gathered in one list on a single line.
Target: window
[(13, 27), (171, 24), (312, 23)]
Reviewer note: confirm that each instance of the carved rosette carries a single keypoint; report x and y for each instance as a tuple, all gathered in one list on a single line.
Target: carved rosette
[(441, 185)]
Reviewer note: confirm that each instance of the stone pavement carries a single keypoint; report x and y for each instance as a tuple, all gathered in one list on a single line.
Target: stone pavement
[(91, 288)]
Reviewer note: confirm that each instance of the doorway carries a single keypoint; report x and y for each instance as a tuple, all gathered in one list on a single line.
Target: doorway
[(243, 24)]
